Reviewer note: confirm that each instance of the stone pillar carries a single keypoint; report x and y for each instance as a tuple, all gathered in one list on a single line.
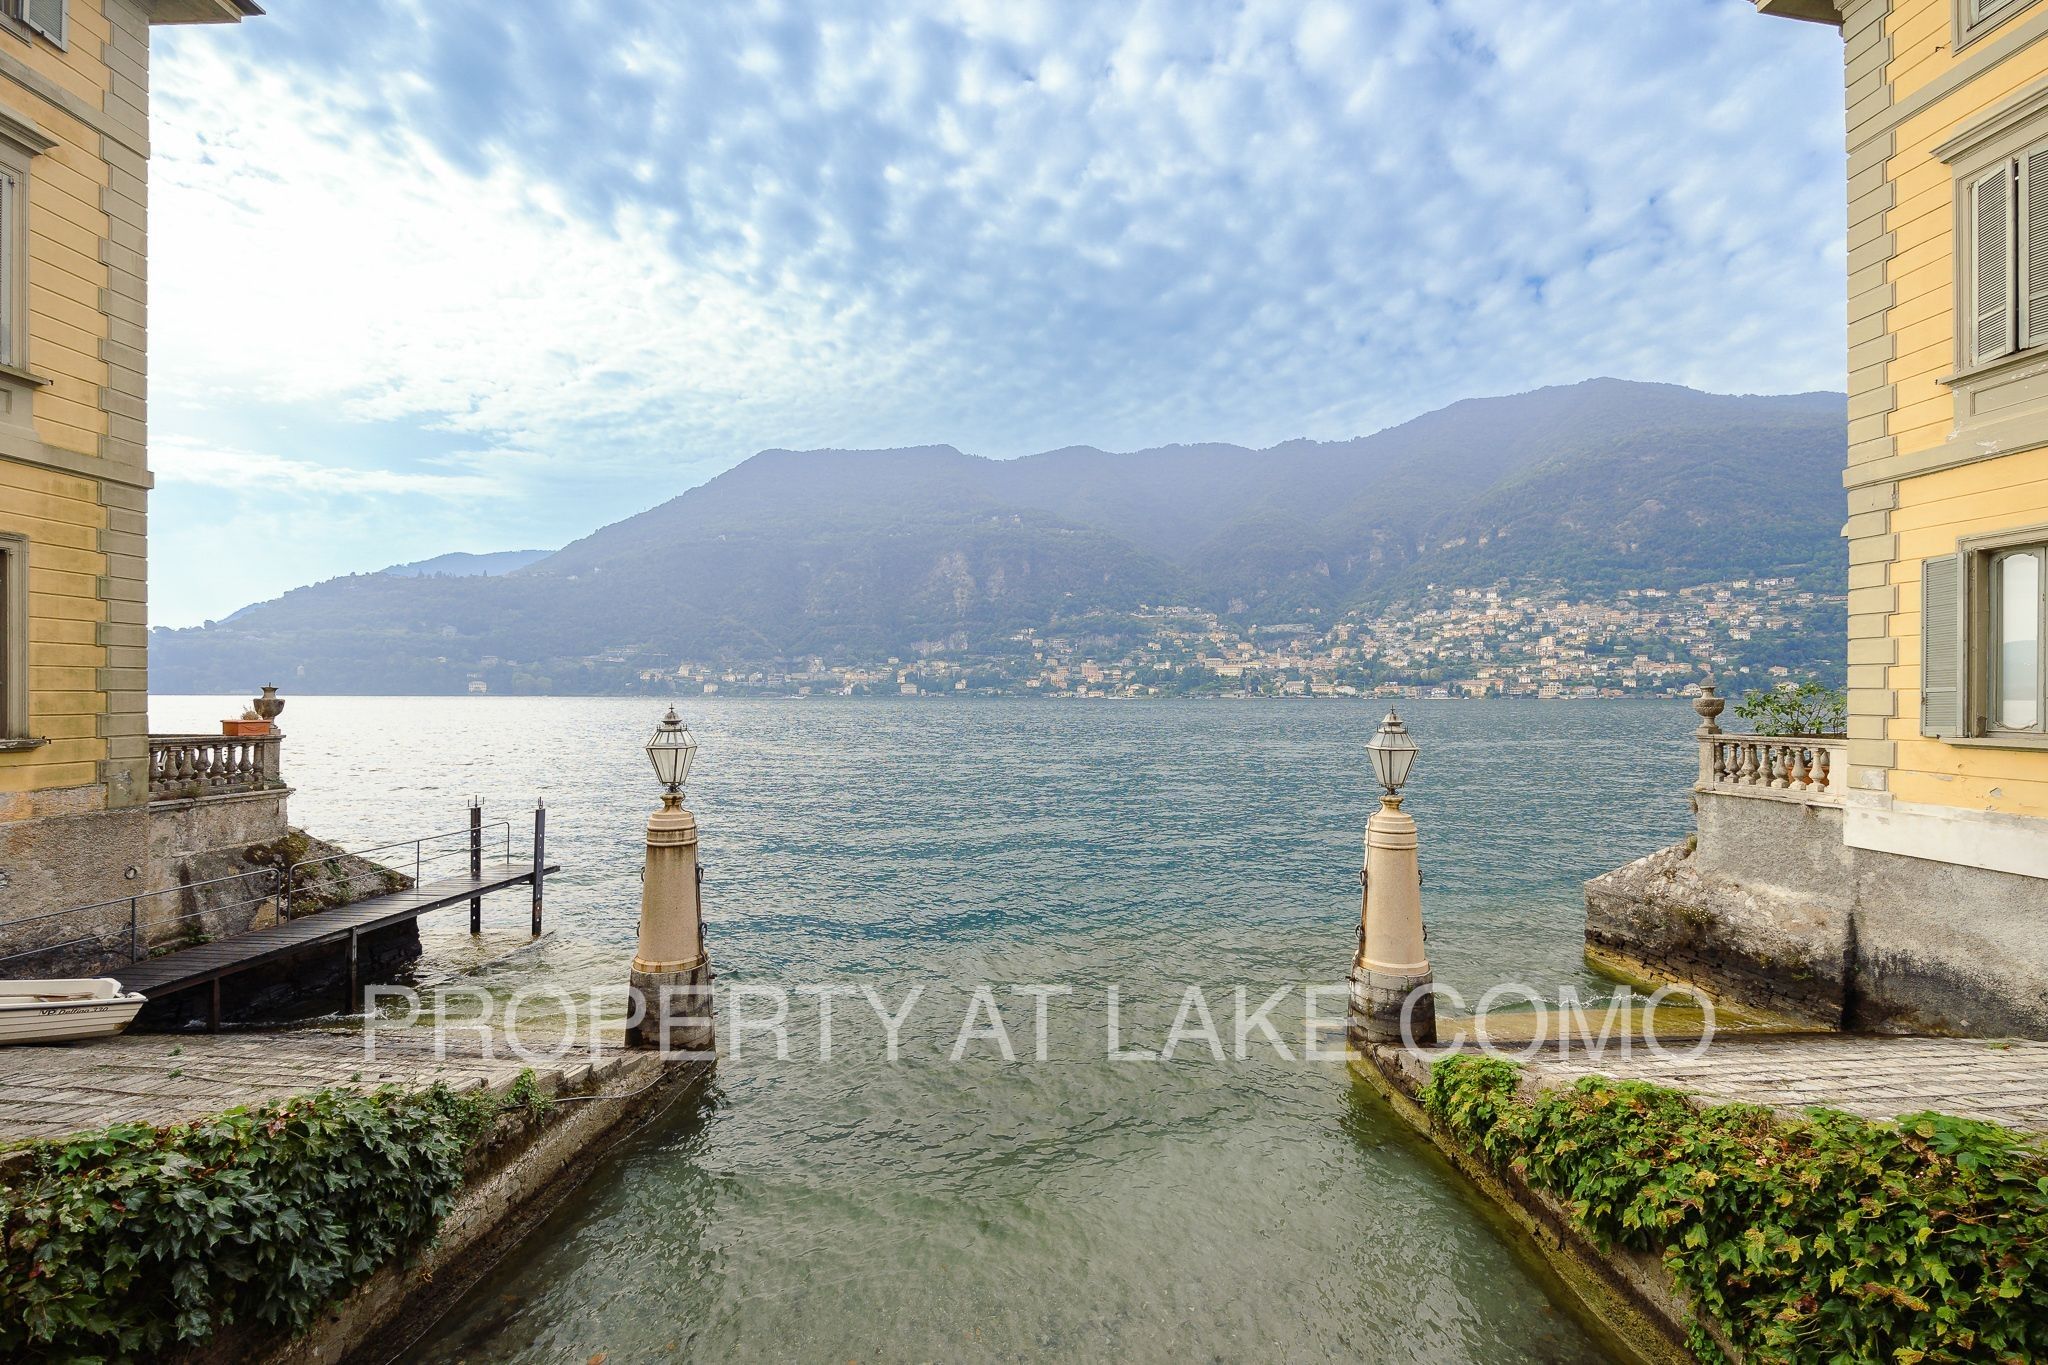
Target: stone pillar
[(671, 976), (1392, 960)]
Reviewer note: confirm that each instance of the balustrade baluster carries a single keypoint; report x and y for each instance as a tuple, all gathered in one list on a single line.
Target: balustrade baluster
[(1799, 777)]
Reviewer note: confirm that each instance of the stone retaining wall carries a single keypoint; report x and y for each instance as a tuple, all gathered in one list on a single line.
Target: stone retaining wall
[(1767, 907)]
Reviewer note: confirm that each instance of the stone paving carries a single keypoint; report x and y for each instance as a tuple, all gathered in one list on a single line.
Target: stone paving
[(2005, 1082), (56, 1090)]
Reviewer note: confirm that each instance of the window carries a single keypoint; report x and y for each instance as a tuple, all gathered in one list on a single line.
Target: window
[(11, 264), (21, 141), (2014, 658), (1984, 640), (1974, 18), (47, 17), (2007, 216), (13, 640)]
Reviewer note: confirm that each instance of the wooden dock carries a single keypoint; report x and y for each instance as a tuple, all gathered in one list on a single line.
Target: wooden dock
[(210, 963)]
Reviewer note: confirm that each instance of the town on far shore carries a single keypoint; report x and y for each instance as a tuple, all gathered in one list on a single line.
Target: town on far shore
[(1539, 641)]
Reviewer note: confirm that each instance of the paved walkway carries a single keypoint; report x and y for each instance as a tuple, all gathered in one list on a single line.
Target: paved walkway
[(2005, 1082), (159, 1078)]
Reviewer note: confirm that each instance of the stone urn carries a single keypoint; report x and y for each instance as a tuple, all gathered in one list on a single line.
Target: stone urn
[(1709, 706), (269, 706)]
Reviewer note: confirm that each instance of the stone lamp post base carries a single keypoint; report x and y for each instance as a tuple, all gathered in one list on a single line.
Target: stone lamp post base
[(1392, 960), (674, 1008), (1376, 1002)]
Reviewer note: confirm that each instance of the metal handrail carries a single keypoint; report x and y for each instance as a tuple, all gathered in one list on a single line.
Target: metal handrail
[(420, 858), (277, 885), (134, 904)]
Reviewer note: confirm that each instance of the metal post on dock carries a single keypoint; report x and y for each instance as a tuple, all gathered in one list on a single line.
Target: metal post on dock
[(540, 857), (476, 862), (354, 989)]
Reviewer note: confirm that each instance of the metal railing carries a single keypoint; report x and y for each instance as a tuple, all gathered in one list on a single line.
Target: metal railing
[(469, 851), (107, 938), (300, 888)]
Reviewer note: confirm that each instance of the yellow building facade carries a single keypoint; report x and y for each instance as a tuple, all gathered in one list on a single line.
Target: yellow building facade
[(1947, 477), (1896, 878), (74, 468)]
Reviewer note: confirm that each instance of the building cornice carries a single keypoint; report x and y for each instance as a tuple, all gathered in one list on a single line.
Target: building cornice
[(1999, 121), (1813, 11), (23, 133)]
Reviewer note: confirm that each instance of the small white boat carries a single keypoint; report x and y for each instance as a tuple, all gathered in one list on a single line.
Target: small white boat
[(65, 1011)]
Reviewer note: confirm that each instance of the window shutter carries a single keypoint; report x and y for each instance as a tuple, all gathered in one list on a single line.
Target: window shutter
[(45, 17), (1991, 261), (1941, 646), (2033, 243), (8, 267)]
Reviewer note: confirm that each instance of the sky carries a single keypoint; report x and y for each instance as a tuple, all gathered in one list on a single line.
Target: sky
[(437, 275)]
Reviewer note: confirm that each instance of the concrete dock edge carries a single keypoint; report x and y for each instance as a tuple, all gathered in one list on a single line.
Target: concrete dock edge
[(524, 1179), (1625, 1299)]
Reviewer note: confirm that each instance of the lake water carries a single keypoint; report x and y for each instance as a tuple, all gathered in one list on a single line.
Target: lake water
[(1079, 1207)]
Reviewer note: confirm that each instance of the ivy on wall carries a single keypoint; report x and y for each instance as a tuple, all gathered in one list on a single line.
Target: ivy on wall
[(123, 1244), (1824, 1238)]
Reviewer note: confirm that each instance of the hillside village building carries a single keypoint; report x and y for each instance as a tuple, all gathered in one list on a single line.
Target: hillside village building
[(1901, 877), (90, 807)]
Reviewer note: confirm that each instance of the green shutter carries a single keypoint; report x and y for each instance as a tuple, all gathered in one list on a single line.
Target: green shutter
[(1941, 647), (1991, 262)]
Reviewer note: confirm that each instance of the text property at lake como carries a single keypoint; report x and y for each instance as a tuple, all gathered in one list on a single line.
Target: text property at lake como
[(984, 1209)]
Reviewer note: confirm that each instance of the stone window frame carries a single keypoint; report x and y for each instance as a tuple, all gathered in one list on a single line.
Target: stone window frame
[(14, 249), (14, 689), (1977, 553), (21, 142), (2006, 134), (1972, 21)]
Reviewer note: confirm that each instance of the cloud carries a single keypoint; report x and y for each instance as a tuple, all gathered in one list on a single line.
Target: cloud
[(628, 244), (182, 460)]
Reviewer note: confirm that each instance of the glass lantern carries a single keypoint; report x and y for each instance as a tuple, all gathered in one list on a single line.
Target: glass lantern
[(671, 751), (1393, 752)]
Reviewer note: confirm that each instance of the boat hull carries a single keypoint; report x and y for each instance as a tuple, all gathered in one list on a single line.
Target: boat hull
[(66, 1021)]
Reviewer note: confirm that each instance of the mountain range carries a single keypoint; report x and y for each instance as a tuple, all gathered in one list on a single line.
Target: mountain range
[(853, 554), (462, 565)]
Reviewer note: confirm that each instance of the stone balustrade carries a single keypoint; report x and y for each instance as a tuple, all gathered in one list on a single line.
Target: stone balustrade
[(194, 767), (1804, 768)]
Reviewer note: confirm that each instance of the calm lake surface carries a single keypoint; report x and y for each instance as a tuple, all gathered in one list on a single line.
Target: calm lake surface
[(925, 1209)]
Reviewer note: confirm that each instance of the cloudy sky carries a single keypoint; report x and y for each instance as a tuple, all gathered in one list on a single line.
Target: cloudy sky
[(470, 275)]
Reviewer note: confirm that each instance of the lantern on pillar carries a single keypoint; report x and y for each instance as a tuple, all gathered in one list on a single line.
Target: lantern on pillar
[(1393, 752), (670, 978), (1392, 999), (671, 750)]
